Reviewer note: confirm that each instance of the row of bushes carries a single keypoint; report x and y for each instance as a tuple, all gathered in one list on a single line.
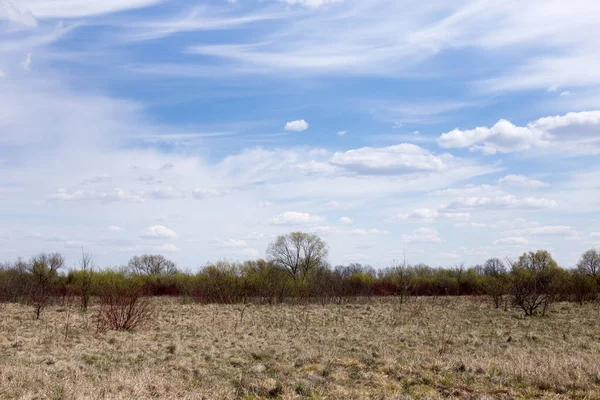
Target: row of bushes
[(535, 277)]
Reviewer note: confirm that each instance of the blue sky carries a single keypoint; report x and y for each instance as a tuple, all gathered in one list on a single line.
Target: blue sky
[(456, 131)]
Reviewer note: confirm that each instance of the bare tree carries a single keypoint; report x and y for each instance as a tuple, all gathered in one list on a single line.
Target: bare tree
[(496, 283), (87, 269), (494, 267), (589, 264), (44, 270), (152, 265), (298, 253)]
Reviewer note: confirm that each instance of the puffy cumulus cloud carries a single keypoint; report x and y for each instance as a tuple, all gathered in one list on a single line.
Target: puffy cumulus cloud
[(423, 235), (512, 241), (296, 218), (296, 126), (573, 133), (157, 232), (115, 228), (167, 248), (346, 220), (205, 193), (313, 3), (521, 181), (503, 137), (501, 202), (399, 159), (110, 196), (429, 215), (332, 204), (549, 230), (571, 126)]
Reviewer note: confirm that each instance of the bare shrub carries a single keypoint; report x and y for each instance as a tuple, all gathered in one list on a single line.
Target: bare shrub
[(122, 310), (44, 273)]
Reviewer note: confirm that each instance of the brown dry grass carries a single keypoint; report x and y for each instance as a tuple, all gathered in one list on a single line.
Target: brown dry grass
[(430, 348)]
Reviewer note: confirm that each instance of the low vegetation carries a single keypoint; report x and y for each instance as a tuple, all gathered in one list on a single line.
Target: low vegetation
[(378, 348), (292, 326)]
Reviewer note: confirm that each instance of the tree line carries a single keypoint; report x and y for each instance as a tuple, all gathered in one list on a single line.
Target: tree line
[(296, 270)]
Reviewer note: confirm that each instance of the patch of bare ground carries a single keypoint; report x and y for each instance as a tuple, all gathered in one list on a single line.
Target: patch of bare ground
[(429, 348)]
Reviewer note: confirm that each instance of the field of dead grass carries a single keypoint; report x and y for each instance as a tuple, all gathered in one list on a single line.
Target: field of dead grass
[(429, 348)]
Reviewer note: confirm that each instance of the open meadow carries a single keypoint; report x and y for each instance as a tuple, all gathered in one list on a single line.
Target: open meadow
[(429, 347)]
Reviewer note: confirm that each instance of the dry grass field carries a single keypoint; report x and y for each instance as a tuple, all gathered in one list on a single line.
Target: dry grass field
[(429, 348)]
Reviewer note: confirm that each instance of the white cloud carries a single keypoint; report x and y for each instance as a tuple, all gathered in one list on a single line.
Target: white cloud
[(158, 231), (265, 204), (168, 248), (429, 215), (76, 8), (115, 228), (332, 204), (521, 181), (503, 137), (2, 74), (400, 159), (296, 218), (595, 235), (296, 126), (10, 12), (566, 93), (313, 3), (517, 240), (501, 202), (346, 220), (423, 235), (342, 133), (572, 133), (26, 64), (205, 193), (316, 167), (549, 230), (113, 195)]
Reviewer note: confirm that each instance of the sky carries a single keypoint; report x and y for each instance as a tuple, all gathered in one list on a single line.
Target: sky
[(446, 132)]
